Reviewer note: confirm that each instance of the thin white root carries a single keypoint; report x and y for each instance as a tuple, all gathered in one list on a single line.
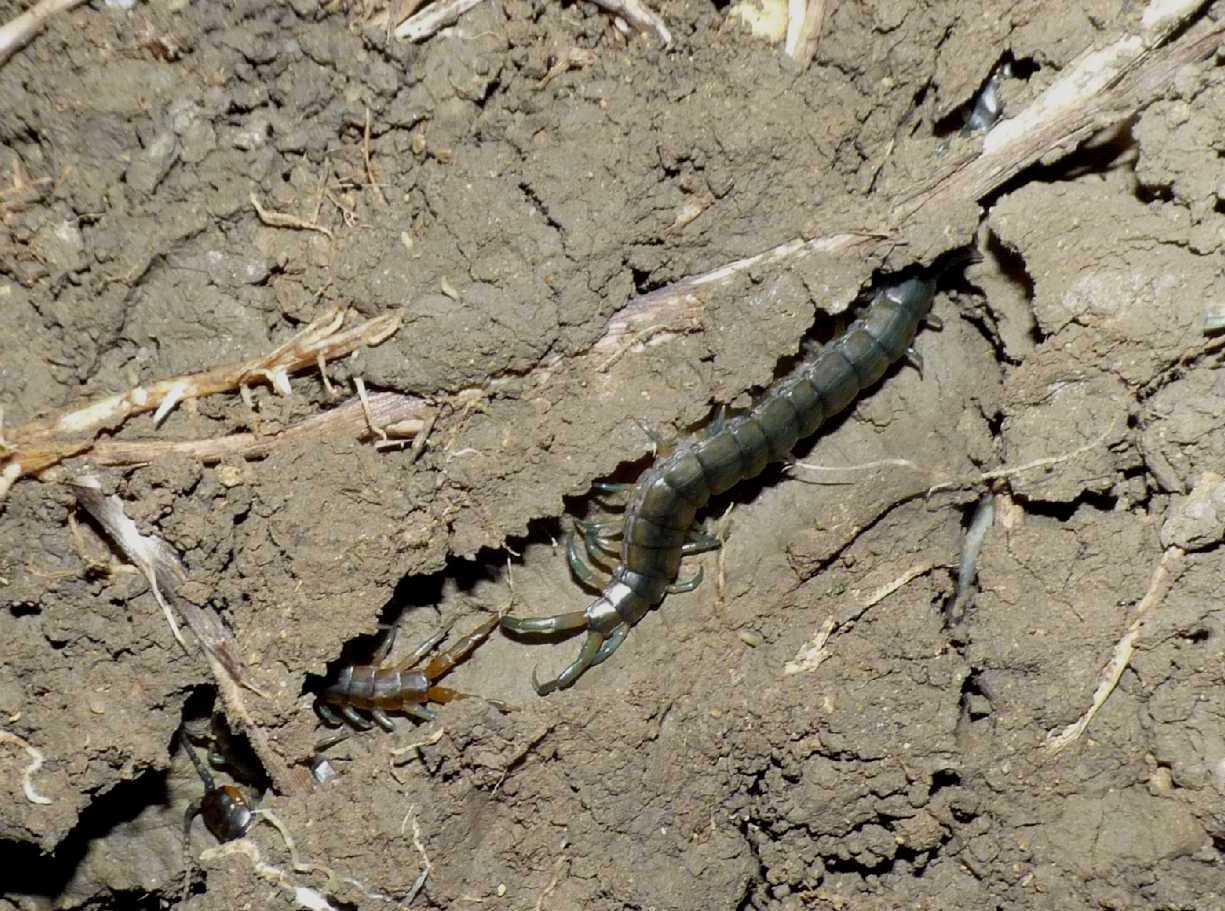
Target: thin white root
[(426, 866), (432, 19), (16, 33), (559, 868), (303, 896), (813, 653), (865, 466), (1010, 471), (1166, 572), (27, 775), (295, 860)]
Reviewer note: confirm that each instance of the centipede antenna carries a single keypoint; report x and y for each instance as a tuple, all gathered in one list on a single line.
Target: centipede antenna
[(201, 769)]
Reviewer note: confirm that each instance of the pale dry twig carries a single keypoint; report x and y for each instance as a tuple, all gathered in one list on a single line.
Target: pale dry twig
[(16, 33)]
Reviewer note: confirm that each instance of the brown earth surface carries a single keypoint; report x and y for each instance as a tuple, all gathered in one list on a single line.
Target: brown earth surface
[(508, 217)]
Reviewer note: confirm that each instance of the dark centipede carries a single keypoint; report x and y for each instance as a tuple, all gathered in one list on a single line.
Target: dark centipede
[(659, 518)]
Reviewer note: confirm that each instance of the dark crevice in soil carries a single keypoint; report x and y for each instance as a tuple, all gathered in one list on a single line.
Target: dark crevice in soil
[(1016, 70), (975, 700), (30, 872), (1112, 149), (750, 837), (1063, 512)]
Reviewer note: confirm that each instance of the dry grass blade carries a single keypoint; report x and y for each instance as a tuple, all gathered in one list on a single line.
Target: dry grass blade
[(161, 565)]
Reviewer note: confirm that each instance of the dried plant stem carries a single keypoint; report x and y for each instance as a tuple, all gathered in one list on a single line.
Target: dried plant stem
[(642, 18), (16, 33), (162, 566), (405, 414), (1096, 92), (432, 19), (44, 442)]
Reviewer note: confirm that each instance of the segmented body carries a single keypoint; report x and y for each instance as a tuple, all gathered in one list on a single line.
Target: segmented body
[(368, 687), (665, 502), (378, 689)]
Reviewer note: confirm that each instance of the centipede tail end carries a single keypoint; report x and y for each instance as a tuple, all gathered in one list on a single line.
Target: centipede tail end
[(586, 658), (558, 623)]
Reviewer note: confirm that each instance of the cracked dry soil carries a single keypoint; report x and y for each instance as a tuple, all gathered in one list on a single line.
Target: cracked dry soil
[(907, 769)]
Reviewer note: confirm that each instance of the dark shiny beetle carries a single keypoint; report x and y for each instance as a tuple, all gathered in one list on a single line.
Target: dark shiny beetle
[(226, 811)]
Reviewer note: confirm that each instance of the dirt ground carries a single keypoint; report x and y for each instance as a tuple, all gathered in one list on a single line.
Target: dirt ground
[(508, 216)]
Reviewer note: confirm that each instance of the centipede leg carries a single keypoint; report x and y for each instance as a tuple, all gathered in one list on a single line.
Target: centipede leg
[(422, 713), (700, 544), (349, 714), (931, 321), (915, 360), (430, 644), (600, 537), (601, 544), (585, 573), (585, 659), (686, 585), (381, 719), (559, 623), (327, 715)]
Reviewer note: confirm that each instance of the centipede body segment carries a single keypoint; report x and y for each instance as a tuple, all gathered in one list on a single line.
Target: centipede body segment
[(663, 506)]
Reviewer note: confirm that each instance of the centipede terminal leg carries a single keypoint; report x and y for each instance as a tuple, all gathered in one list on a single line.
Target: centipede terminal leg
[(611, 644), (586, 658)]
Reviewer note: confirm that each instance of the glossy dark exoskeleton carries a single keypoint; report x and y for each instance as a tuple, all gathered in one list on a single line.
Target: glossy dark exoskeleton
[(226, 810), (657, 528), (378, 688)]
